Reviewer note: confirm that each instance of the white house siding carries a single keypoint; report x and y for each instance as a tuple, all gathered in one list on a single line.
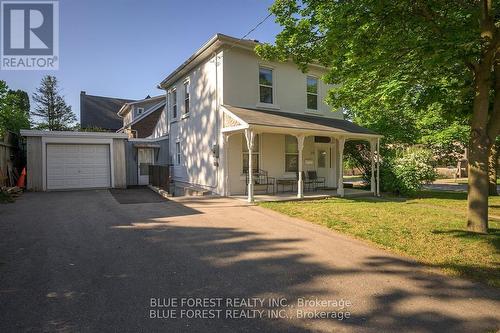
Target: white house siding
[(237, 81), (199, 131), (272, 159), (241, 77)]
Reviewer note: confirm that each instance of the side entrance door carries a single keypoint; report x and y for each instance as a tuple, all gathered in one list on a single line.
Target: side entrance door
[(145, 158)]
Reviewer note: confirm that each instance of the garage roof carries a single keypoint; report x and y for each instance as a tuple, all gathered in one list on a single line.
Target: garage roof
[(67, 134)]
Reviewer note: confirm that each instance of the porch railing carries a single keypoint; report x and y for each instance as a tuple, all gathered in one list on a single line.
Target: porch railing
[(159, 176)]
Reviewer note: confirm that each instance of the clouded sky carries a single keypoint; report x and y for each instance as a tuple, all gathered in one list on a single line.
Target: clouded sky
[(124, 48)]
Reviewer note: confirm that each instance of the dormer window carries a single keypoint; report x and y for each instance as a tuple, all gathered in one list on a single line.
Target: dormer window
[(139, 111), (266, 85)]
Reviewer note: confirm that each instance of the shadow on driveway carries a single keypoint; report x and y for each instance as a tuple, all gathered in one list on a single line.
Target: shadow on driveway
[(80, 261)]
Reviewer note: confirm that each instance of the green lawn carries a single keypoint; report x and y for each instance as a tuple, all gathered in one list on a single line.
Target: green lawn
[(430, 228)]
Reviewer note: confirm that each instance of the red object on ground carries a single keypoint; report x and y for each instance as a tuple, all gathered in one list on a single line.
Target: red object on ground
[(22, 179)]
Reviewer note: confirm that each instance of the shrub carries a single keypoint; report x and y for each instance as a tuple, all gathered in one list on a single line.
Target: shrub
[(405, 172)]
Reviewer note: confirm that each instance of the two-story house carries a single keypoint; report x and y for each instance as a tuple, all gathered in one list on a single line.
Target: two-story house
[(228, 111), (225, 112)]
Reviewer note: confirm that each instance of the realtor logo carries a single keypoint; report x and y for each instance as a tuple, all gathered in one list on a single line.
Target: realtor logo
[(30, 35)]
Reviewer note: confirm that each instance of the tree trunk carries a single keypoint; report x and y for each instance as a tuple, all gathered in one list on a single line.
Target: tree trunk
[(492, 170), (479, 145)]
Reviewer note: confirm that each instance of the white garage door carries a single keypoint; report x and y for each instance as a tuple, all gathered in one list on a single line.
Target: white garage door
[(77, 166)]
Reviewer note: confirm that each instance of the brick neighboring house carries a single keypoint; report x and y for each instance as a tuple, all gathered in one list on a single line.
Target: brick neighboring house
[(101, 112), (139, 118)]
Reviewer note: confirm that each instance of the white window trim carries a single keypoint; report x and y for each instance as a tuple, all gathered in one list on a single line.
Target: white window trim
[(259, 153), (178, 155), (297, 154), (318, 110), (139, 111), (174, 102), (188, 82), (274, 104)]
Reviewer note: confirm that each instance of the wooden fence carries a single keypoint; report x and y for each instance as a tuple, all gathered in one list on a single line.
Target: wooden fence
[(8, 149), (159, 176)]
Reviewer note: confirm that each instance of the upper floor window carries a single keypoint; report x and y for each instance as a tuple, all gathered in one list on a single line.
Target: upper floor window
[(312, 93), (186, 97), (173, 102), (266, 85), (139, 111)]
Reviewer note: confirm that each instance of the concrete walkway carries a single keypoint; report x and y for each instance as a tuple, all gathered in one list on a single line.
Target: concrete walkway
[(83, 262), (450, 185)]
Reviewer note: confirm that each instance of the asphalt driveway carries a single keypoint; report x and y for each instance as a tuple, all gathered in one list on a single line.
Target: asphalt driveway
[(84, 262)]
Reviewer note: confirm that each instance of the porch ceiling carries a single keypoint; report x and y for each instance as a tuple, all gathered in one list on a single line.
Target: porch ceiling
[(278, 121)]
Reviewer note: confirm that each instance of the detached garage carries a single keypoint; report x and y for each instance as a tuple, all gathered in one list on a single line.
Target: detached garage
[(74, 160)]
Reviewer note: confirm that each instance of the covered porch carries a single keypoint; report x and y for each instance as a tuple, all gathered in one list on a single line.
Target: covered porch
[(292, 156)]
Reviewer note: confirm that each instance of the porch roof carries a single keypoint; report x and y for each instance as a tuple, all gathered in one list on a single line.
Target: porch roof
[(295, 121)]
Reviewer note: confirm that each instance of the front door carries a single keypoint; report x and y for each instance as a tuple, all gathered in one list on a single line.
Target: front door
[(145, 158), (324, 163)]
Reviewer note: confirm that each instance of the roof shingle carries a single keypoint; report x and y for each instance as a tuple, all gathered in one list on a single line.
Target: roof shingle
[(99, 111)]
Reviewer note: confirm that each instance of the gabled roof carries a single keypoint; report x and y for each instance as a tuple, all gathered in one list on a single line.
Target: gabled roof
[(146, 103), (294, 121), (148, 111), (212, 45), (100, 111)]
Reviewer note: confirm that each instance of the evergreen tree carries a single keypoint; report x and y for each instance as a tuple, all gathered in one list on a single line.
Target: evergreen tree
[(51, 110)]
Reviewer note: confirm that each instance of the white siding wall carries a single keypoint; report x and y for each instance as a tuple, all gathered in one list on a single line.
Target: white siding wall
[(241, 75), (198, 131), (237, 83)]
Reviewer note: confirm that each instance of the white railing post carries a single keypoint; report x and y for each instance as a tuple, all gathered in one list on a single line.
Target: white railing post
[(340, 187), (249, 135), (300, 181)]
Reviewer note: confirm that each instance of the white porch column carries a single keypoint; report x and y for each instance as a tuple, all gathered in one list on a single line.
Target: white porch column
[(300, 181), (378, 167), (340, 187), (227, 190), (372, 156), (249, 135)]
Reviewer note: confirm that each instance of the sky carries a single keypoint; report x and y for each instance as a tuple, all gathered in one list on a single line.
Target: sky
[(124, 48)]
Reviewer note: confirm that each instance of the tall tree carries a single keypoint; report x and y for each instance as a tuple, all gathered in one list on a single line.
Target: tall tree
[(51, 110), (400, 58), (14, 109)]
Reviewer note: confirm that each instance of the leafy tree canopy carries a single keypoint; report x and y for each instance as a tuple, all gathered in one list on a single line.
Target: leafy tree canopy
[(14, 109), (393, 64)]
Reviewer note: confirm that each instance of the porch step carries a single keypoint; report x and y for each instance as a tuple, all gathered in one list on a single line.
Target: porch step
[(191, 191)]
